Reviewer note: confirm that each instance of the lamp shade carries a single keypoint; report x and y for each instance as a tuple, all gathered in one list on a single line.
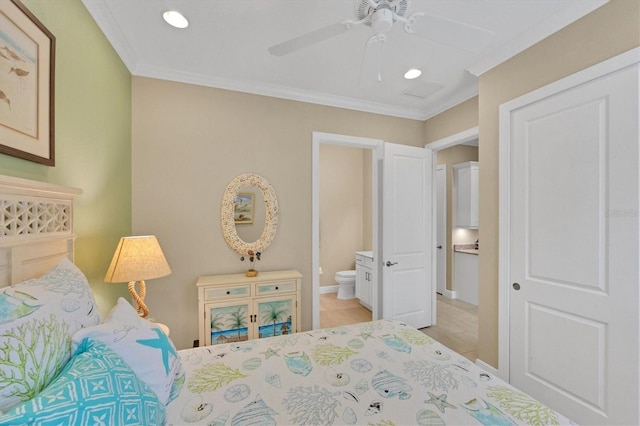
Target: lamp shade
[(136, 259)]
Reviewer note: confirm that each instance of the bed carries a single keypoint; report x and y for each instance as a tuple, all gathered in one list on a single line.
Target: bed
[(60, 362)]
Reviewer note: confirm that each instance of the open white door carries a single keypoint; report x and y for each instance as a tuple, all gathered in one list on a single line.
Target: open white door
[(441, 229), (407, 234), (572, 246)]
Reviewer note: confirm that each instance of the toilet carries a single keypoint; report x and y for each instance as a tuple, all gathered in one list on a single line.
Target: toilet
[(347, 284)]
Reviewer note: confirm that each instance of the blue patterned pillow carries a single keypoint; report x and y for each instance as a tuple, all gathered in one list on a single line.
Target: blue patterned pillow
[(37, 319), (96, 387)]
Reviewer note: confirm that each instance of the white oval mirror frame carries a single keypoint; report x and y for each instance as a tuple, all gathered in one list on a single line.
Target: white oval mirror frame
[(227, 213)]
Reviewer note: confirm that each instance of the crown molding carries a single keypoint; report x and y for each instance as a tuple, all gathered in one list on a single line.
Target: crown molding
[(252, 87), (109, 26)]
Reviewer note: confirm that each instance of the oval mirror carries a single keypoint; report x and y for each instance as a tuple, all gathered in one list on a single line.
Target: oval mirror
[(238, 204)]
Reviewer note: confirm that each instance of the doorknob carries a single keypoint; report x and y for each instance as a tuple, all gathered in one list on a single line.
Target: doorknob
[(516, 286), (390, 264), (440, 247)]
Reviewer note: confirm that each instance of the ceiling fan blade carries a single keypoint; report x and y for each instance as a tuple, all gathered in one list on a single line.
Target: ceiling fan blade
[(311, 38), (371, 69), (449, 32)]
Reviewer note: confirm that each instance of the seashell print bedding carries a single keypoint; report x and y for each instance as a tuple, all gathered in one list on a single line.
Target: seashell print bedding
[(380, 372)]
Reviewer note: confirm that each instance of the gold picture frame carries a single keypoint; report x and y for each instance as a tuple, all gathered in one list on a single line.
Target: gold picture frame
[(243, 208), (27, 69)]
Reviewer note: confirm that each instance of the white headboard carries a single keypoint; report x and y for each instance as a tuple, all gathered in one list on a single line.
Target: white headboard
[(36, 227)]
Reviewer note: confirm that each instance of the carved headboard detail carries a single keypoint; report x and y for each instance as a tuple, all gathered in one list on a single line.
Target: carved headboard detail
[(36, 227)]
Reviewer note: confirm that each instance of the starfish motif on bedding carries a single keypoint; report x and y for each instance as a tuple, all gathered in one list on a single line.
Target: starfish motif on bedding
[(439, 401), (270, 352), (366, 335), (163, 344)]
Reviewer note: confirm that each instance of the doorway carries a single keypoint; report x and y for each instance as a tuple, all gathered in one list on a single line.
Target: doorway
[(456, 322), (345, 234), (402, 289), (374, 146)]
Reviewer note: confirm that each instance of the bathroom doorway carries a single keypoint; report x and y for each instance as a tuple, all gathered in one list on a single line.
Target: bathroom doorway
[(346, 227), (402, 184)]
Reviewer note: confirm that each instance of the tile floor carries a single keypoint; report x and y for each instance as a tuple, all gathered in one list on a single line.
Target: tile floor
[(456, 327)]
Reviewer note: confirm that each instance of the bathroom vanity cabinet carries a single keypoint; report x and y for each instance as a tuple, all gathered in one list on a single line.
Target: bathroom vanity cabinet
[(465, 178), (466, 277), (234, 308), (365, 277)]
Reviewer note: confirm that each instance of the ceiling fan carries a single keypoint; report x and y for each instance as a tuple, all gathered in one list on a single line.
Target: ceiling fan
[(381, 15)]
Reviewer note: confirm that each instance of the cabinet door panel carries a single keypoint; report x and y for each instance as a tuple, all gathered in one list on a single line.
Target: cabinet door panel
[(275, 315), (360, 280), (466, 195), (227, 322), (366, 288)]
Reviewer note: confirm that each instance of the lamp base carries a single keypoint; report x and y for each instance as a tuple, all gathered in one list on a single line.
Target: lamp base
[(138, 297)]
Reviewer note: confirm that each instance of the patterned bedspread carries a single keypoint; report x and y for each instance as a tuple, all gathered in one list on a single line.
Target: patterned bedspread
[(380, 372)]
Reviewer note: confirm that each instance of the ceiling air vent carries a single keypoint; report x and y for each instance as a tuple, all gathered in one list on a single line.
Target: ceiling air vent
[(422, 89)]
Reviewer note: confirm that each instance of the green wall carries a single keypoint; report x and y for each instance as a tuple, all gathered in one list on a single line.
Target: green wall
[(92, 137)]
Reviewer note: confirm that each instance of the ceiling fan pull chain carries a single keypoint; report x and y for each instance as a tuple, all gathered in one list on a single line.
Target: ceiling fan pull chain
[(379, 62)]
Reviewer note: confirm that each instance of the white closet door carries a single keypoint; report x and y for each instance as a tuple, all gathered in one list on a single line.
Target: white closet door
[(574, 246)]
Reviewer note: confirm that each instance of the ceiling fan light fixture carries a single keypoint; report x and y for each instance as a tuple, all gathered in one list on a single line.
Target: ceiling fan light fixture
[(175, 19), (412, 74), (382, 20)]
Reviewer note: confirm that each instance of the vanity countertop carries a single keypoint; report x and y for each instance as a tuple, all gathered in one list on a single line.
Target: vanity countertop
[(368, 254), (466, 248)]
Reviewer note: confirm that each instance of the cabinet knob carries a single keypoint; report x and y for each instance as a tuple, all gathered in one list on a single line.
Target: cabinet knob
[(277, 288), (228, 292)]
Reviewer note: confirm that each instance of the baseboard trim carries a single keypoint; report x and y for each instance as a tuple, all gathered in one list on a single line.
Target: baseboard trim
[(324, 289), (451, 294), (486, 367)]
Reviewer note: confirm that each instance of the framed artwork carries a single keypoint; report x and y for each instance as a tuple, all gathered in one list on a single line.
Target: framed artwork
[(243, 208), (27, 64)]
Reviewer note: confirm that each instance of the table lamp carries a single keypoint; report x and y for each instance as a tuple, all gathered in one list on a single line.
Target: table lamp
[(137, 259)]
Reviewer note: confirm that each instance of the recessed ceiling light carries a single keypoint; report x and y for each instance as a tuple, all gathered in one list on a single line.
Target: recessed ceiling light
[(412, 73), (175, 19)]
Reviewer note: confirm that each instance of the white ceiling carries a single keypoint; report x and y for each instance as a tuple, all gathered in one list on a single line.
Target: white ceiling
[(226, 44)]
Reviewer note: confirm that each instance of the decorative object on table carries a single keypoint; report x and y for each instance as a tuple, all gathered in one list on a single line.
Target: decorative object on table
[(27, 85), (252, 257), (227, 216), (243, 208), (136, 259)]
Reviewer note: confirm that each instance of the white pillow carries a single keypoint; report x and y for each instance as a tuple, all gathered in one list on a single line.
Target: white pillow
[(143, 346), (37, 319)]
